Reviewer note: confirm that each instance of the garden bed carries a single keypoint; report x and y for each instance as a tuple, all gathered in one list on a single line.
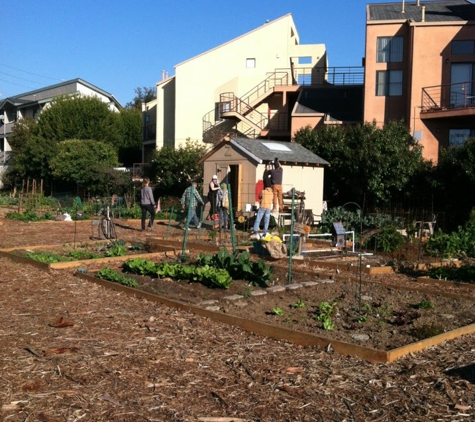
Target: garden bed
[(87, 255), (380, 322)]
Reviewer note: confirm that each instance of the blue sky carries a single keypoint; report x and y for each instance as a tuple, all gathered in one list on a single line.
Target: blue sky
[(119, 45)]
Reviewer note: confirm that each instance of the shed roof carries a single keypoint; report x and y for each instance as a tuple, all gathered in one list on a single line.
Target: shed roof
[(264, 150), (435, 11)]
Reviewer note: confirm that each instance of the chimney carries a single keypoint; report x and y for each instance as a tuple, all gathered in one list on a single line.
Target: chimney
[(403, 11), (418, 3), (423, 13)]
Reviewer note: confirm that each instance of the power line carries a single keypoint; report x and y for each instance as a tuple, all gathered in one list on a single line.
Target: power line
[(13, 83), (19, 77), (30, 73)]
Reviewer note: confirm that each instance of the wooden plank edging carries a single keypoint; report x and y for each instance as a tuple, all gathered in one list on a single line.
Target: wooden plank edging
[(284, 334)]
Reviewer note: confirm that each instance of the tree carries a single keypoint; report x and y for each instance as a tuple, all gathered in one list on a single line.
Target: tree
[(142, 95), (367, 162), (455, 178), (174, 169), (79, 118), (130, 146), (85, 162), (34, 141)]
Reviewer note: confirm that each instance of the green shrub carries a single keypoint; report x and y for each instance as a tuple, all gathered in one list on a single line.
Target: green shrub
[(112, 275), (387, 239), (457, 244)]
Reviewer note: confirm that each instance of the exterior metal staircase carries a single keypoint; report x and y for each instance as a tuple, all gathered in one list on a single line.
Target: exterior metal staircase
[(240, 114)]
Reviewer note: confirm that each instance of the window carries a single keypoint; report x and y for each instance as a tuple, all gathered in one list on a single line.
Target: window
[(458, 137), (250, 63), (463, 47), (389, 49), (389, 83), (305, 60)]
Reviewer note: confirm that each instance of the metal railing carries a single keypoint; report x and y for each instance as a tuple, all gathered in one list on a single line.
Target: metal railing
[(229, 103), (448, 97), (300, 76)]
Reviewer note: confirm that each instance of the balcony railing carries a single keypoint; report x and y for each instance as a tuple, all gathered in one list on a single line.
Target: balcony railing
[(448, 97)]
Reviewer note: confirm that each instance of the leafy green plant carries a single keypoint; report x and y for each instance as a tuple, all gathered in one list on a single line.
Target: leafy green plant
[(240, 266), (326, 311), (207, 275), (427, 331), (387, 239), (212, 235), (112, 275), (425, 303), (80, 254), (362, 318), (118, 249), (457, 244), (465, 273), (278, 311), (298, 304), (26, 216), (45, 257), (139, 266)]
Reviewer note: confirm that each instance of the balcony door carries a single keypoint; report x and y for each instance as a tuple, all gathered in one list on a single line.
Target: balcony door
[(461, 88)]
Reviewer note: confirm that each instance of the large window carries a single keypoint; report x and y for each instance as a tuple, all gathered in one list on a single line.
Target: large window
[(461, 89), (463, 47), (389, 49), (458, 137), (389, 83)]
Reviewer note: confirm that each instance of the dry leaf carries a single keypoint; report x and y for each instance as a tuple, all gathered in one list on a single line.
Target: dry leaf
[(61, 323), (462, 407)]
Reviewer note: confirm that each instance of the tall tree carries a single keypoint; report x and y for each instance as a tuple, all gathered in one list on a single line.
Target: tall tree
[(79, 118), (34, 142), (130, 128), (85, 162), (142, 95), (455, 176), (367, 162), (172, 169)]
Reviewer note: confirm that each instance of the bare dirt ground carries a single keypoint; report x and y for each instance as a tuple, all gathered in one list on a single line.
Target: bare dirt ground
[(74, 351)]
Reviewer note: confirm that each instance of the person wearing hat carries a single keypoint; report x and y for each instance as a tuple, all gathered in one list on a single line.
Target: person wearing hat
[(212, 197)]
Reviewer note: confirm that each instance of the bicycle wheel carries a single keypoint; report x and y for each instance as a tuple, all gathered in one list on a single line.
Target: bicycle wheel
[(108, 228)]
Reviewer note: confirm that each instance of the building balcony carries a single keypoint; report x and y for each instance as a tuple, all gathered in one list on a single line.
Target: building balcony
[(448, 101)]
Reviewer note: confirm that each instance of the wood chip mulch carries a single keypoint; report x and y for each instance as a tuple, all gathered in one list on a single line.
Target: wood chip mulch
[(74, 351)]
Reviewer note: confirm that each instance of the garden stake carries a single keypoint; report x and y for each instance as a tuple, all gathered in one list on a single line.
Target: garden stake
[(169, 222), (231, 218), (291, 249), (187, 222)]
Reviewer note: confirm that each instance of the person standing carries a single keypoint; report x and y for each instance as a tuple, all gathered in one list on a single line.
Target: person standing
[(264, 210), (189, 201), (277, 175), (212, 196), (222, 203), (147, 203)]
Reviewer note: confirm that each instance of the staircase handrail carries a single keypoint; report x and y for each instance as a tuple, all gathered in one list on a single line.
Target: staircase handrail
[(272, 80), (230, 103)]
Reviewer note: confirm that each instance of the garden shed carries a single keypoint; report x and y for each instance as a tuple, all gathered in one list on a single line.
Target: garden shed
[(241, 162)]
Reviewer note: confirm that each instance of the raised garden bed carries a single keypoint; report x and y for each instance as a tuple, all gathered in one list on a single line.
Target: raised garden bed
[(375, 321), (379, 322), (87, 255)]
